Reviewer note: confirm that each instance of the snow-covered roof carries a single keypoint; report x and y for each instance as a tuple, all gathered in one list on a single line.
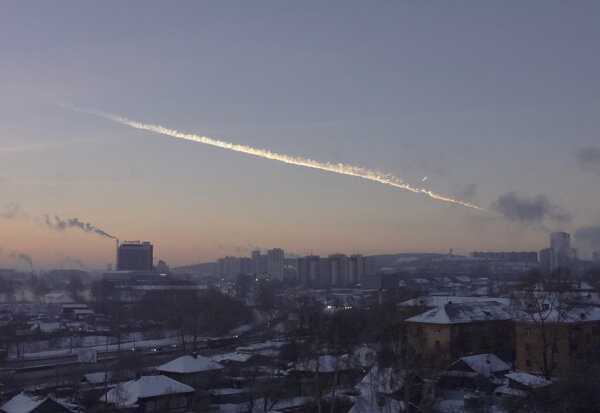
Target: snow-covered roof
[(458, 313), (235, 356), (484, 364), (529, 380), (566, 315), (190, 364), (440, 300), (128, 393), (22, 403)]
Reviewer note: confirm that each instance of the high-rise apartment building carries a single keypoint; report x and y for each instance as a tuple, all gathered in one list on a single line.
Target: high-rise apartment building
[(134, 255), (559, 255), (338, 269), (227, 267), (335, 270), (275, 263), (356, 268), (259, 263), (309, 270)]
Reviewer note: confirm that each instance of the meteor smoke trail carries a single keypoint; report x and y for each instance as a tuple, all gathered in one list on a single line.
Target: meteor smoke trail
[(339, 168)]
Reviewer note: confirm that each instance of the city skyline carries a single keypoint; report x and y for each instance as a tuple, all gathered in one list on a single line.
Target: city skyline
[(495, 105)]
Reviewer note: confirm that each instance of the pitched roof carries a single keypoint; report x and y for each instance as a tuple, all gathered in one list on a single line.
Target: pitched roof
[(23, 403), (440, 300), (459, 313), (529, 380), (26, 402), (128, 393), (190, 364), (484, 364)]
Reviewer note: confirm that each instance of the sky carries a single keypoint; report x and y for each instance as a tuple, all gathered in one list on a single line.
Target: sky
[(495, 103)]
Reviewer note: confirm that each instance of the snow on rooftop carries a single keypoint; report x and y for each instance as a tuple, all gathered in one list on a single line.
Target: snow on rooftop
[(484, 364), (529, 380), (128, 393), (570, 315), (440, 300), (22, 403), (452, 313), (190, 364)]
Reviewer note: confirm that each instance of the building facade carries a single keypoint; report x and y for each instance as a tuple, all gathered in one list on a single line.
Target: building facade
[(275, 263), (559, 255), (135, 255), (560, 346)]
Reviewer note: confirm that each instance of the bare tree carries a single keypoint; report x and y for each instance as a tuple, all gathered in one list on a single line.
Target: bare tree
[(545, 308)]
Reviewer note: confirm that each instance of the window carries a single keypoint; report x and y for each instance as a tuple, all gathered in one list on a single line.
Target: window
[(528, 347), (437, 344), (527, 332), (436, 330), (528, 363)]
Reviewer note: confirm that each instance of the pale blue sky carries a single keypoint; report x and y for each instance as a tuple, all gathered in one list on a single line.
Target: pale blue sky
[(495, 97)]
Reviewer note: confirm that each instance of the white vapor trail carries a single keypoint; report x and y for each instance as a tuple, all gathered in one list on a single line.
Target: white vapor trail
[(339, 168)]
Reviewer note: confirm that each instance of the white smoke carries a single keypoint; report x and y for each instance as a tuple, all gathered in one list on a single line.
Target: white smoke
[(360, 172)]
